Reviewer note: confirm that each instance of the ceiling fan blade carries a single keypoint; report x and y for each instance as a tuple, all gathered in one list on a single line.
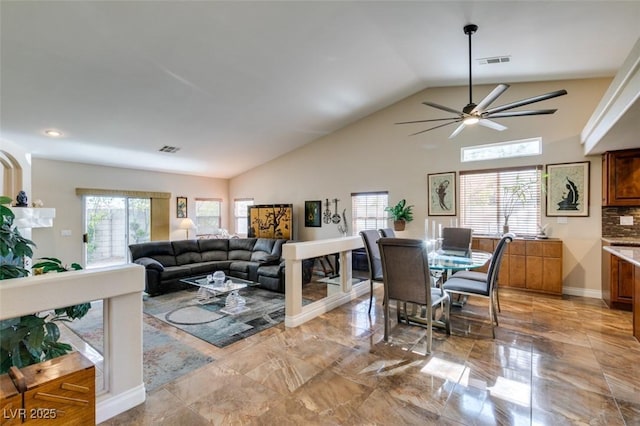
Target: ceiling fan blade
[(519, 113), (436, 127), (426, 121), (526, 101), (491, 124), (488, 100), (457, 131), (442, 107)]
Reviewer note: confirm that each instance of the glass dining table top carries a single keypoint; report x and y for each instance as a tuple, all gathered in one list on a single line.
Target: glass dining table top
[(447, 262)]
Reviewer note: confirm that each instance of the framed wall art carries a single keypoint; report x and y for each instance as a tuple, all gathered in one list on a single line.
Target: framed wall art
[(270, 221), (568, 189), (181, 207), (312, 214), (441, 194)]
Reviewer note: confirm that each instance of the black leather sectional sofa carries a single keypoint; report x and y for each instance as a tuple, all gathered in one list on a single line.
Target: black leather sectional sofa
[(167, 262)]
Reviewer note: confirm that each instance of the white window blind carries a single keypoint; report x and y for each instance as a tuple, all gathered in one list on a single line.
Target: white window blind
[(240, 214), (487, 196), (368, 210), (208, 215)]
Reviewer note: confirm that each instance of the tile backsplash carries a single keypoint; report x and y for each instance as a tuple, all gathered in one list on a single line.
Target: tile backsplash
[(611, 222)]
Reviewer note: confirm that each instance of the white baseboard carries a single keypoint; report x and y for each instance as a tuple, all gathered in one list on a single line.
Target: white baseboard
[(322, 306), (582, 292), (109, 405)]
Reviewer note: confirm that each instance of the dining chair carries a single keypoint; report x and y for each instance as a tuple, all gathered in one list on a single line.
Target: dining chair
[(370, 239), (406, 278), (387, 232), (457, 241), (486, 288)]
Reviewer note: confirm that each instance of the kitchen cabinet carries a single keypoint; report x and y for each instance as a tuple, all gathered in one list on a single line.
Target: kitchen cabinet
[(636, 302), (533, 265), (621, 178), (618, 278)]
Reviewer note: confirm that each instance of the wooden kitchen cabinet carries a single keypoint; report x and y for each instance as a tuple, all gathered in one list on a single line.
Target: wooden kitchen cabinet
[(534, 265), (621, 178), (618, 277), (636, 302)]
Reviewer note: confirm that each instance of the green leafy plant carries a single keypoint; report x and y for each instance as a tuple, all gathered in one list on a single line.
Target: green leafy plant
[(32, 338), (516, 195), (401, 211), (13, 246)]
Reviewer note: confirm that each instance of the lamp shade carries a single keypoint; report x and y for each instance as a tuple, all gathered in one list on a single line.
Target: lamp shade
[(187, 223)]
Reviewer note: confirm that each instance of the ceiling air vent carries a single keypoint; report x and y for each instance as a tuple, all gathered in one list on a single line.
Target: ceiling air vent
[(170, 149), (494, 60)]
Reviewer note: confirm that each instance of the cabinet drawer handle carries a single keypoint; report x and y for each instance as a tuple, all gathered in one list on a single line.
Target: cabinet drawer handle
[(72, 387), (62, 399)]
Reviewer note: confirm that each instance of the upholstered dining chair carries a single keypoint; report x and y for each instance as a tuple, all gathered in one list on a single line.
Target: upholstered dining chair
[(457, 240), (486, 288), (370, 239), (387, 232), (406, 277)]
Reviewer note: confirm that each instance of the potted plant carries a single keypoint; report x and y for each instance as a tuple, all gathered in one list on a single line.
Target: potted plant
[(513, 196), (32, 338), (401, 213)]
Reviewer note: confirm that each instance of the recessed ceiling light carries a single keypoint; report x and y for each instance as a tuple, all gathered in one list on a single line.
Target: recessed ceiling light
[(53, 133)]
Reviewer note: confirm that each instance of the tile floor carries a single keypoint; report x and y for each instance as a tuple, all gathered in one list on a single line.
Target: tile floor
[(554, 361)]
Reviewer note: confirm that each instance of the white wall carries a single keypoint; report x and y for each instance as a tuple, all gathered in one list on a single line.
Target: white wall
[(55, 183), (374, 154)]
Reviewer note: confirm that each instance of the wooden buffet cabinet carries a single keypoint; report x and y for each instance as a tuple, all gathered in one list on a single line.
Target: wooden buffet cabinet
[(621, 178), (533, 265), (617, 281)]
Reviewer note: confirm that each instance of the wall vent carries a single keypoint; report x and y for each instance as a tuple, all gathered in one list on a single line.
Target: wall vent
[(169, 149), (494, 60)]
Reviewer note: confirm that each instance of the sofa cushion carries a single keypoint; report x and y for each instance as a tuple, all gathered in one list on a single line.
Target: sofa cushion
[(162, 251), (269, 271), (176, 272), (214, 249), (240, 266), (186, 251), (241, 248), (205, 268)]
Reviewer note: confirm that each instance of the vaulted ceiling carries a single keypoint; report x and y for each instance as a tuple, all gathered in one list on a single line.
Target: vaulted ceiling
[(235, 84)]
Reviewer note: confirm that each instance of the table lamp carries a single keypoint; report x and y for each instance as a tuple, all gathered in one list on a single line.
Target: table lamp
[(187, 224)]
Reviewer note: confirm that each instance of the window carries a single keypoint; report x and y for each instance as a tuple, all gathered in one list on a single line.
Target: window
[(492, 151), (240, 214), (368, 210), (487, 196), (207, 215)]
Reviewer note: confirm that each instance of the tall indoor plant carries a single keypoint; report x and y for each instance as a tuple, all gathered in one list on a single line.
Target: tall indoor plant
[(516, 195), (32, 338), (401, 213)]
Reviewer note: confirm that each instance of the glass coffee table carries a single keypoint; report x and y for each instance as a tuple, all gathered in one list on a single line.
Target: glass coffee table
[(209, 292)]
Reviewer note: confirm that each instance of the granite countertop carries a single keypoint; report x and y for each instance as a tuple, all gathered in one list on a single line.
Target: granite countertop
[(629, 253), (622, 241)]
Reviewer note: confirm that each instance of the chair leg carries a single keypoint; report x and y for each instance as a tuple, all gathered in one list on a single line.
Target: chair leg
[(370, 295), (497, 298), (493, 317), (447, 315), (429, 318), (386, 321)]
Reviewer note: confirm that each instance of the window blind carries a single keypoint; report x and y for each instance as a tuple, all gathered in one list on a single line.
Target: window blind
[(208, 215), (487, 196), (368, 210)]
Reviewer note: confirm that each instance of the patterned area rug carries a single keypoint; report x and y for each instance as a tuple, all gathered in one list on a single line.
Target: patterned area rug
[(164, 358), (207, 322)]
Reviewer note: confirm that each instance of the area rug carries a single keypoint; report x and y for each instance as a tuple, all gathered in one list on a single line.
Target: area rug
[(181, 309), (164, 358)]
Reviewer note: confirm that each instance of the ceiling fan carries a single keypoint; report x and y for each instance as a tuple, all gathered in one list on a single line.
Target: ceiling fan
[(480, 113)]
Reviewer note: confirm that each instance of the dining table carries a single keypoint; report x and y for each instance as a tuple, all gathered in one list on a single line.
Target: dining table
[(444, 263), (441, 264)]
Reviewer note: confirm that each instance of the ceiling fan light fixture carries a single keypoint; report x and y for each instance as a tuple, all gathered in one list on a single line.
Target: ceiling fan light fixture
[(480, 113)]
